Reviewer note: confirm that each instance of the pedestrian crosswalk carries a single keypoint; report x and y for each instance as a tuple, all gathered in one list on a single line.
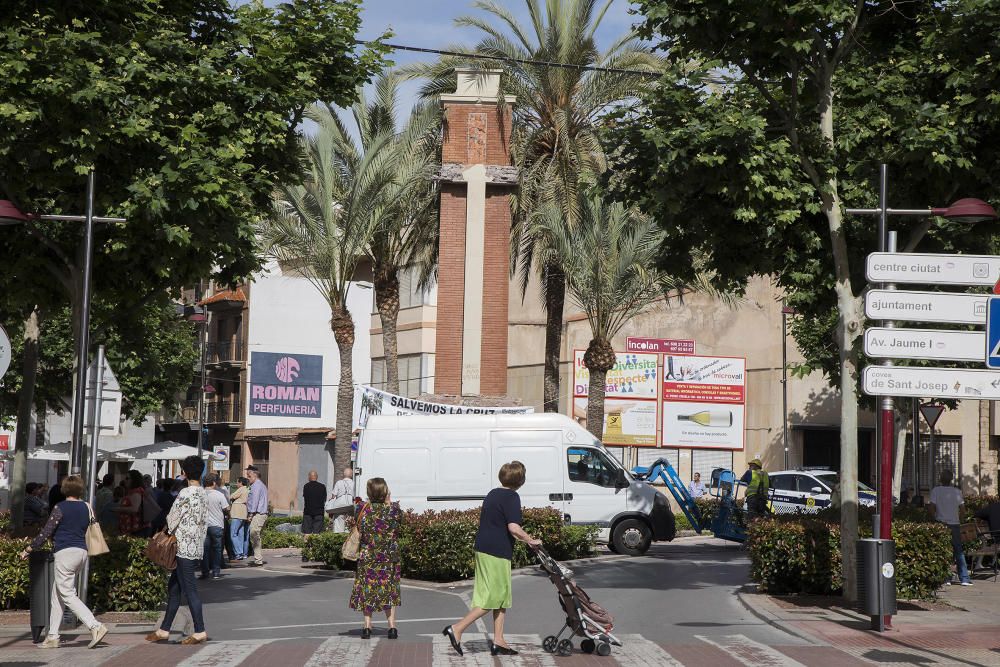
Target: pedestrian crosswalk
[(349, 650)]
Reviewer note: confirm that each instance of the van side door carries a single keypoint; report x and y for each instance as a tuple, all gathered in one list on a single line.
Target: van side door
[(539, 451), (464, 463)]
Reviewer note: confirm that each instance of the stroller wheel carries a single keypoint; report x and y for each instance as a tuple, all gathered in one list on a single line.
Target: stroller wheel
[(588, 645), (603, 649), (549, 644), (565, 647)]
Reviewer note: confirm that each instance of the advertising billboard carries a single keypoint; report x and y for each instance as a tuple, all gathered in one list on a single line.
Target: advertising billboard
[(630, 406), (286, 385), (704, 402)]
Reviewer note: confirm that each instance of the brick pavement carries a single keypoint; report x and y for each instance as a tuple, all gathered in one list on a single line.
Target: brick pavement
[(348, 650)]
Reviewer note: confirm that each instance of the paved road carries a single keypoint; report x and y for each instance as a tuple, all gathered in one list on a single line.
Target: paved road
[(674, 607)]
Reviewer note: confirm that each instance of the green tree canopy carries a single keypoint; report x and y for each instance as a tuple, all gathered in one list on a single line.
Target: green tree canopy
[(774, 119)]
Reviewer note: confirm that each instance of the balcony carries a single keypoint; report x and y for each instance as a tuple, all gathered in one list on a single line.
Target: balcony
[(224, 354), (181, 412), (223, 412)]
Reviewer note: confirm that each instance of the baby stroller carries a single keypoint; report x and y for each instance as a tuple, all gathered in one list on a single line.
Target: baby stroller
[(584, 617)]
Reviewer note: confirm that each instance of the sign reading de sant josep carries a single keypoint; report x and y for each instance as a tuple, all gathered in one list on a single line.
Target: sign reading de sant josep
[(286, 385)]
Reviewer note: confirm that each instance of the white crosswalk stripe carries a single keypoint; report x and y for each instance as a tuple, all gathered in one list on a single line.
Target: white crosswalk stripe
[(223, 654), (477, 652), (637, 651), (343, 652), (749, 652)]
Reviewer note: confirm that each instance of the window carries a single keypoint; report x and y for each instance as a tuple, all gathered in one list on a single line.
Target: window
[(415, 374), (411, 294), (591, 467), (783, 482)]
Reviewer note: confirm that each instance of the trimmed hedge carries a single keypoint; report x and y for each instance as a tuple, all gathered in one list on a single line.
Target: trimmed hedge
[(122, 580), (438, 546), (796, 554), (708, 506), (325, 548), (271, 538)]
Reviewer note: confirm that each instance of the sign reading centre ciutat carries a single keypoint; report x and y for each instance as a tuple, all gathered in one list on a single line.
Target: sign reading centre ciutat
[(286, 385)]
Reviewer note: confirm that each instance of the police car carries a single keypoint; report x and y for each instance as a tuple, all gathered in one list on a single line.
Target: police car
[(808, 490)]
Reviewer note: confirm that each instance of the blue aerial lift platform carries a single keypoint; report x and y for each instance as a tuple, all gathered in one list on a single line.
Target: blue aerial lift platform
[(728, 523)]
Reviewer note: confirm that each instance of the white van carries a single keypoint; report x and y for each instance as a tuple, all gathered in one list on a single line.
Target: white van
[(452, 461)]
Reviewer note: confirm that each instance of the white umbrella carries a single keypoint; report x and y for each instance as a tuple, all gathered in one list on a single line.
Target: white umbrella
[(59, 451), (168, 450)]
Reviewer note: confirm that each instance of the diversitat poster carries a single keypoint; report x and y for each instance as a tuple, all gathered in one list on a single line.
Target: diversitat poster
[(630, 405), (704, 401)]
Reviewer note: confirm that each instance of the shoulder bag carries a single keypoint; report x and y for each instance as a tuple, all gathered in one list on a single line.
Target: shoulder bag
[(162, 550), (352, 545), (96, 544)]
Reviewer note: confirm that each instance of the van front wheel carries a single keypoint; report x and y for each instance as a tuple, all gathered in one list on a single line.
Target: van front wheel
[(632, 537)]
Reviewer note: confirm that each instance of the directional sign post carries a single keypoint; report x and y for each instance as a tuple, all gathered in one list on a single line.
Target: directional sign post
[(935, 344), (928, 269), (954, 383), (993, 333), (946, 307)]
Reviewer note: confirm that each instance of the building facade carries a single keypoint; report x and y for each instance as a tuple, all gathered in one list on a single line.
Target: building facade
[(272, 372)]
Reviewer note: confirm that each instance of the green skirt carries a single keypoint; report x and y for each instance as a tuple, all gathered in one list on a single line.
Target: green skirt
[(492, 587)]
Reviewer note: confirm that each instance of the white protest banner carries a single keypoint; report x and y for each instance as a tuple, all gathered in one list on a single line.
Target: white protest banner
[(378, 402)]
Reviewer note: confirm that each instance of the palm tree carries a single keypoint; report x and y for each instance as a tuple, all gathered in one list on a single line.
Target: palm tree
[(407, 232), (609, 257), (556, 118), (324, 228)]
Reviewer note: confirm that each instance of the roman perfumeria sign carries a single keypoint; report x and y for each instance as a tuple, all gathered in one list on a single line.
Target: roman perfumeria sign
[(630, 404), (286, 385), (704, 402)]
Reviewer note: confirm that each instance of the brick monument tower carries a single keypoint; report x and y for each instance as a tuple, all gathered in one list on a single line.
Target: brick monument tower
[(474, 264)]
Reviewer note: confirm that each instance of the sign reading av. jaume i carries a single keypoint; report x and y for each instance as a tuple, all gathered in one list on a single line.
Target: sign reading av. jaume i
[(378, 402)]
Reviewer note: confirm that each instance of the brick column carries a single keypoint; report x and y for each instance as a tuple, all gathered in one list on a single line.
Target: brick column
[(474, 262)]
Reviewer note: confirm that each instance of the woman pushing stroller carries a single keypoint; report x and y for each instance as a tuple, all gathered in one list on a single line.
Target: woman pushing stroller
[(499, 524)]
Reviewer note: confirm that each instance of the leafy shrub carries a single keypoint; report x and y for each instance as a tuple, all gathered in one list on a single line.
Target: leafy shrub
[(708, 507), (13, 574), (121, 580), (271, 538), (796, 554), (325, 548), (438, 546), (125, 580)]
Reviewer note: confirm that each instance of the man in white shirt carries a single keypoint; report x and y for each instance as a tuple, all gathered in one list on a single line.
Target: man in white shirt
[(344, 491), (944, 503), (216, 507), (695, 487)]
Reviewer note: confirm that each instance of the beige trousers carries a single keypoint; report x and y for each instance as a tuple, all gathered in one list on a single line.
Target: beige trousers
[(68, 563), (256, 527)]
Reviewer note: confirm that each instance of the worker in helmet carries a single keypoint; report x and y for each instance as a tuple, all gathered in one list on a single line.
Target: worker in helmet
[(758, 485)]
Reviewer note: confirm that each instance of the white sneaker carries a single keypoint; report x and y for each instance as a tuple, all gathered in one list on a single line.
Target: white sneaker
[(97, 634), (966, 583), (50, 642)]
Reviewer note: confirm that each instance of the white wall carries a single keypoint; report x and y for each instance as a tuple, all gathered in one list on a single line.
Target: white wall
[(288, 314)]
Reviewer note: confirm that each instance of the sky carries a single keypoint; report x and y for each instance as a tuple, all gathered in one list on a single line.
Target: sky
[(429, 24)]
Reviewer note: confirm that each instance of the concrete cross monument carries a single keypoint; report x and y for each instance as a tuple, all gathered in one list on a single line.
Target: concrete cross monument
[(476, 180)]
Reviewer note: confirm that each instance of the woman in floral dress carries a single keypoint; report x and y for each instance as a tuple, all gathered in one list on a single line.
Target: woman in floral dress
[(376, 582)]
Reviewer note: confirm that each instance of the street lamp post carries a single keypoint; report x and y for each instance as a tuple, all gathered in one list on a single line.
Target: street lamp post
[(10, 214), (963, 210), (785, 312)]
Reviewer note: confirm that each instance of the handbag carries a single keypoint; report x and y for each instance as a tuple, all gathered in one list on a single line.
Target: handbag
[(352, 545), (96, 544), (162, 550), (334, 505)]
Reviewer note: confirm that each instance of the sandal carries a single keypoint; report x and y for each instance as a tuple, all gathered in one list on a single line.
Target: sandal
[(190, 640)]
